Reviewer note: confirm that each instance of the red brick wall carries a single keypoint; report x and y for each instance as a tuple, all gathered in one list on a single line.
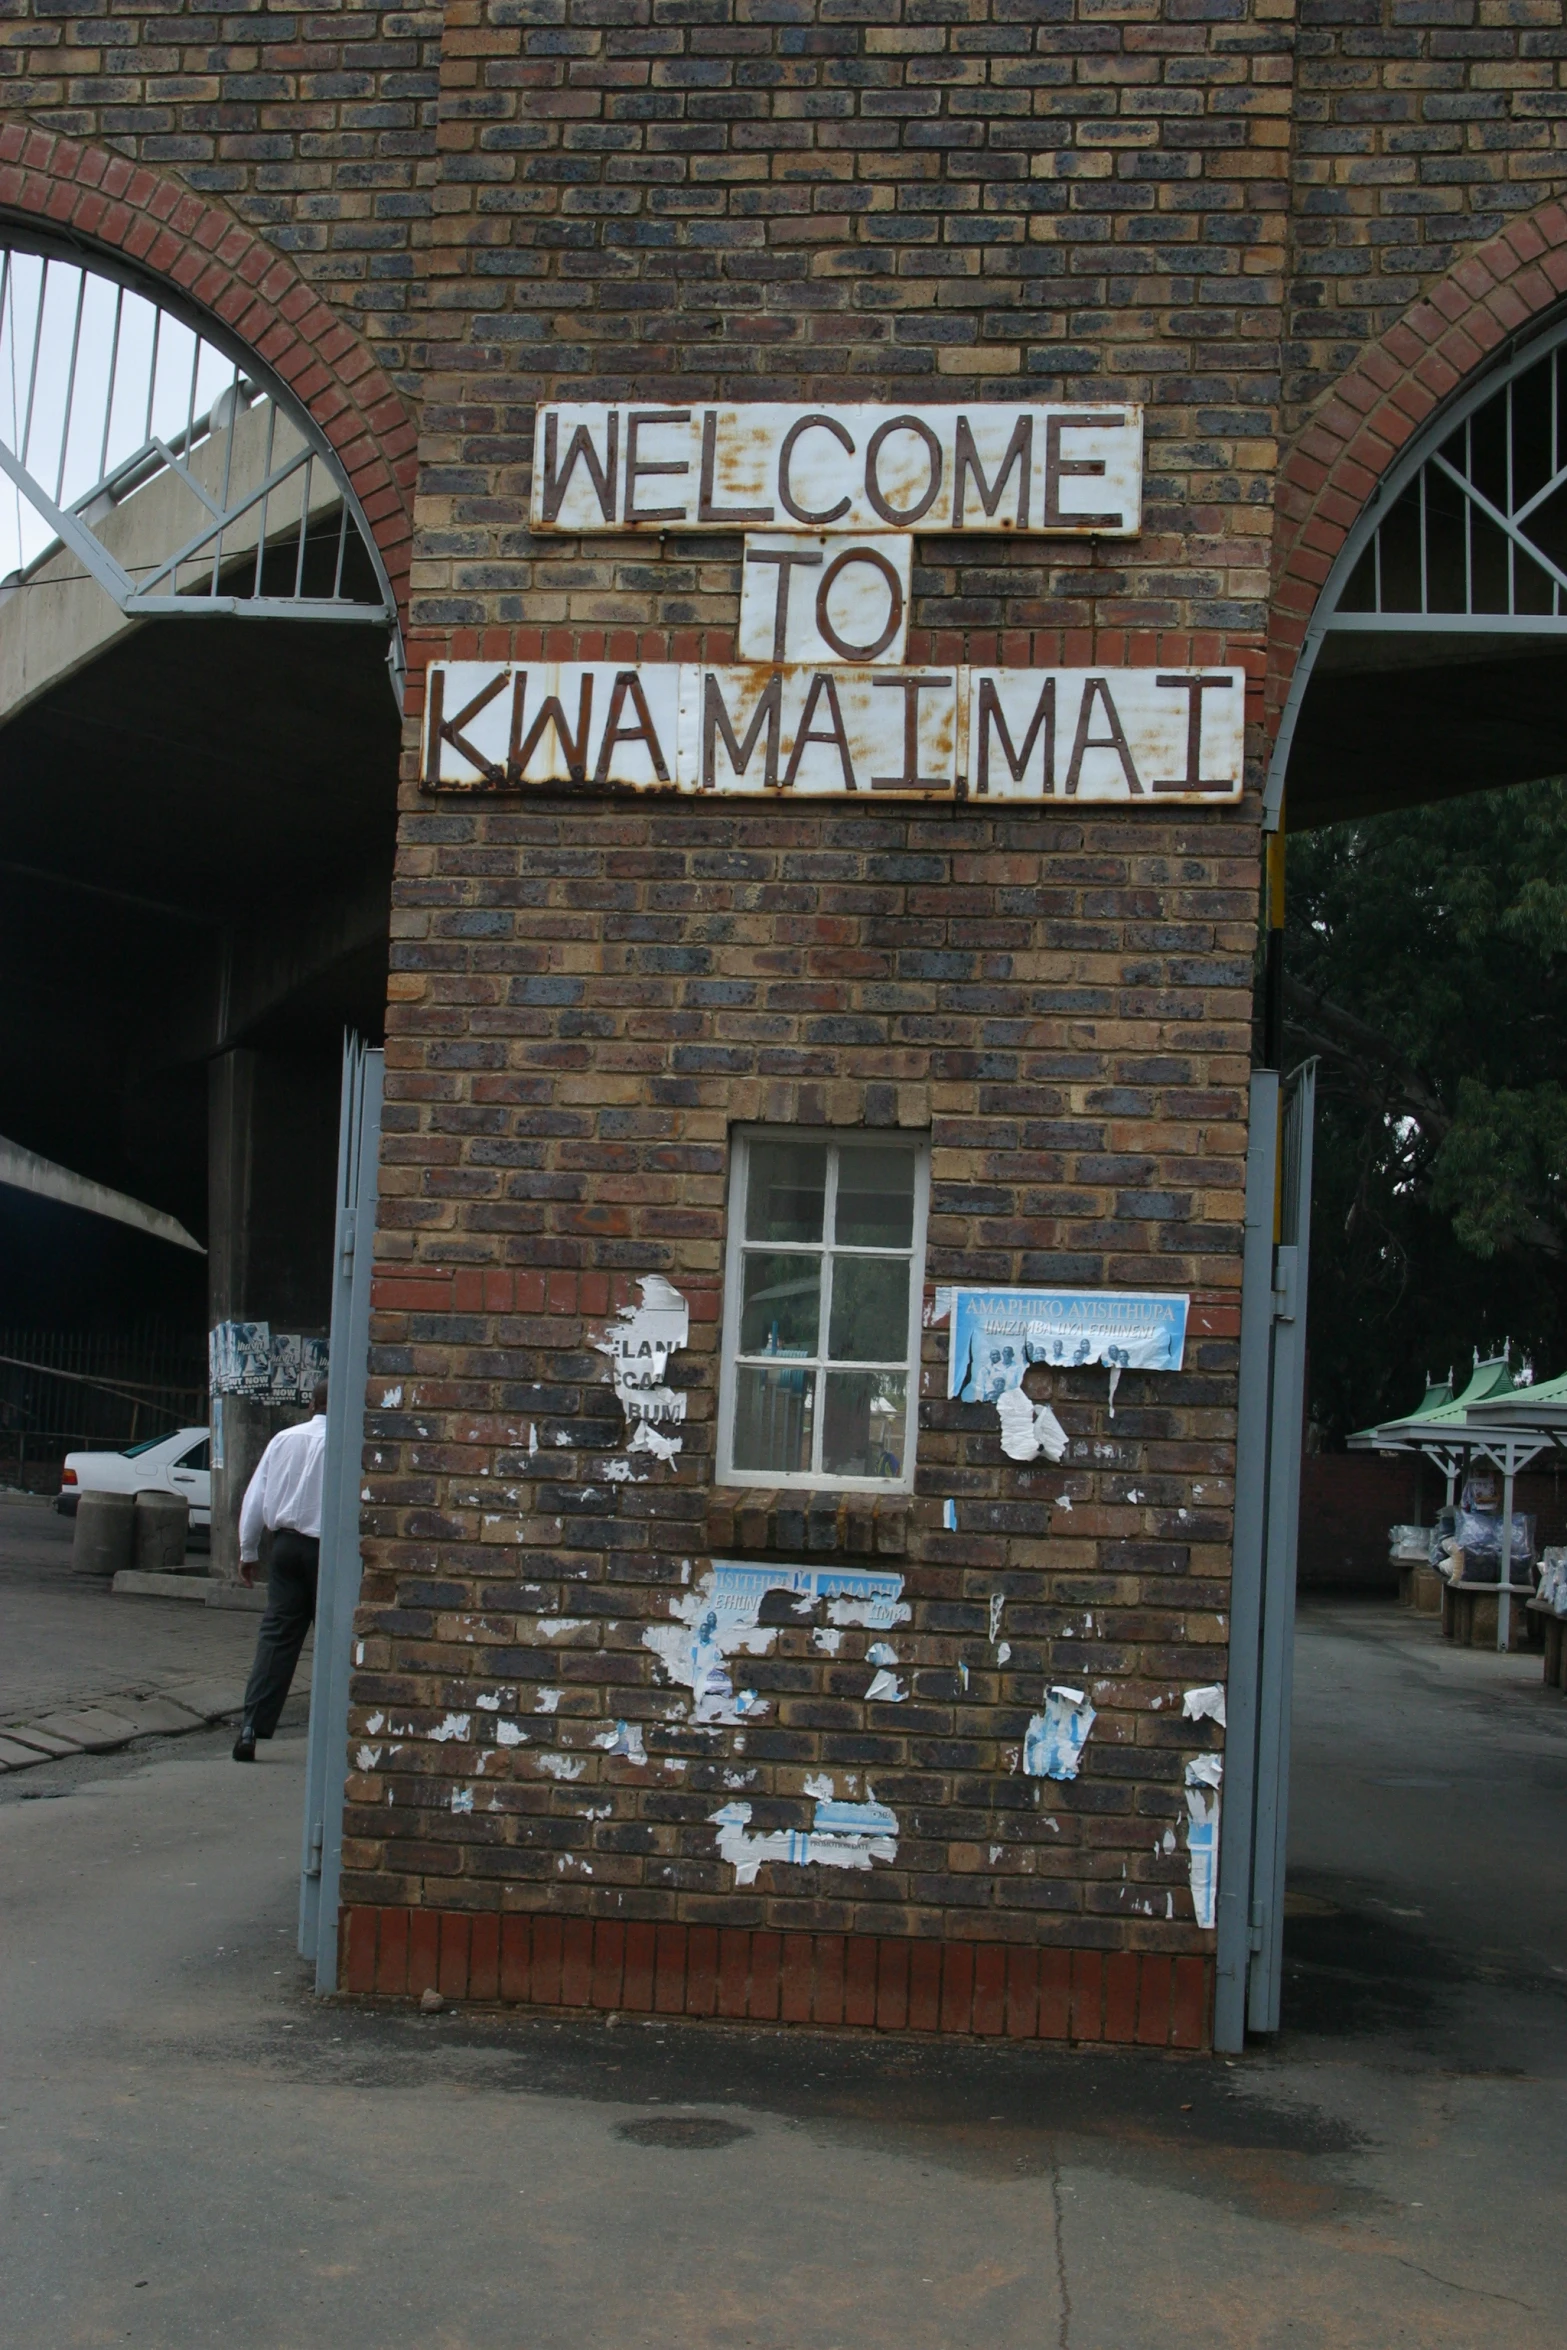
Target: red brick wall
[(891, 202)]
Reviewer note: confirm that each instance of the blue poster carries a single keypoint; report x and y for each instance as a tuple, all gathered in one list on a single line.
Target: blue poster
[(997, 1333)]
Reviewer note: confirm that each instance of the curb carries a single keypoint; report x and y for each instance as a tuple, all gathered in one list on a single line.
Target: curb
[(99, 1729)]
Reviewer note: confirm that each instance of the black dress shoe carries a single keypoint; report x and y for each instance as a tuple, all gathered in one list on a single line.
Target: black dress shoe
[(245, 1743)]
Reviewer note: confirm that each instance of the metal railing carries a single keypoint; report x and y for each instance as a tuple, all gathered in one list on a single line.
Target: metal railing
[(68, 1391)]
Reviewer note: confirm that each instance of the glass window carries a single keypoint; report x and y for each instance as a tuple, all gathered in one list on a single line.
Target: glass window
[(821, 1325)]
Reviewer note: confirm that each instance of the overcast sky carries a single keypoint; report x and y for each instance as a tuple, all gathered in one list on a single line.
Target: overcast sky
[(46, 310)]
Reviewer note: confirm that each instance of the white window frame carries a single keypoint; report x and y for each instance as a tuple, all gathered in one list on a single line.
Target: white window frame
[(838, 1139)]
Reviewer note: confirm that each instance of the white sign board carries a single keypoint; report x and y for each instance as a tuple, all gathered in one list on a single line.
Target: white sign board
[(825, 599), (821, 732), (1069, 470)]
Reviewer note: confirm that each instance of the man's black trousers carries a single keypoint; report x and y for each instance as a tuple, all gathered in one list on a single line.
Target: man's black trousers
[(291, 1610)]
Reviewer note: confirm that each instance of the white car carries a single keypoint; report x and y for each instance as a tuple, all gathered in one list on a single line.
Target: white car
[(181, 1463)]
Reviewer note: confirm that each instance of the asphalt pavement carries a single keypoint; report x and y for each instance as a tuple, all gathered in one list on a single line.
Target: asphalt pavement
[(77, 1658), (197, 2151)]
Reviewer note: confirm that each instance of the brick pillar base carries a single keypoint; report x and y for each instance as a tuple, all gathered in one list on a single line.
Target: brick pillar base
[(989, 1989)]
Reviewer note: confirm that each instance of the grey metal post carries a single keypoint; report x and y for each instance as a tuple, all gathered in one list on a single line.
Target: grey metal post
[(342, 1265), (1504, 1572), (338, 1588), (1237, 1811), (1277, 1683)]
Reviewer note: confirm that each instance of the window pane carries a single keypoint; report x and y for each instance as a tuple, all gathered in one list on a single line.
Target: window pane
[(785, 1189), (864, 1423), (773, 1420), (870, 1310), (875, 1199), (781, 1305)]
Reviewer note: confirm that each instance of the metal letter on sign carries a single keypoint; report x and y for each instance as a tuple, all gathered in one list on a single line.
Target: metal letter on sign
[(825, 599)]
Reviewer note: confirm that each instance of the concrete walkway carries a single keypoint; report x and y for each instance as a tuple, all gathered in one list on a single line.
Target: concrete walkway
[(87, 1669), (202, 2152)]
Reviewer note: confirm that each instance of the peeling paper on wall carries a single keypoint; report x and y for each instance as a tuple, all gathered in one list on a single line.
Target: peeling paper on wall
[(639, 1344), (562, 1766), (1029, 1429), (885, 1689), (646, 1438), (841, 1836), (1205, 1704), (717, 1619), (1053, 1745), (624, 1739), (1204, 1775)]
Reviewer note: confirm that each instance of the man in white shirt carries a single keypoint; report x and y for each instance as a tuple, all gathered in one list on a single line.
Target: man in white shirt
[(283, 1499)]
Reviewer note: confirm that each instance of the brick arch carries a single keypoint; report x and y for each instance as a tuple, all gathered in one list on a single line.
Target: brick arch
[(1388, 396), (204, 252)]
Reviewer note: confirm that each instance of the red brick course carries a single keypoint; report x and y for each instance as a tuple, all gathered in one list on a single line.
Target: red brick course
[(984, 1990)]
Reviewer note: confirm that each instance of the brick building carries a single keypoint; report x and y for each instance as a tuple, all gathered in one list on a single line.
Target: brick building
[(629, 1033)]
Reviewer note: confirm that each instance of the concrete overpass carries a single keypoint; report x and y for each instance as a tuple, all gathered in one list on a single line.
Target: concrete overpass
[(196, 834)]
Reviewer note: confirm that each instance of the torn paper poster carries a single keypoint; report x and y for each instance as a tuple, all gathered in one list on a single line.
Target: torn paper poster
[(997, 1333), (1204, 1774), (251, 1358), (1053, 1746), (841, 1836), (881, 1652), (1028, 1429), (718, 1619), (939, 1308), (885, 1689), (949, 1515), (1205, 1704), (639, 1343), (562, 1766), (872, 1598), (624, 1738), (646, 1438)]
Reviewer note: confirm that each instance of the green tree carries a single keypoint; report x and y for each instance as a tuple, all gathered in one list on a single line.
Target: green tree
[(1426, 962)]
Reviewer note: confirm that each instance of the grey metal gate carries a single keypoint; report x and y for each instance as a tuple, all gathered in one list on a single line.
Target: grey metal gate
[(358, 1152), (1255, 1814)]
